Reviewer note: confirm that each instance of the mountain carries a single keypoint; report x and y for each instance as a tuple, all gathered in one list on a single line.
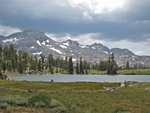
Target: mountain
[(35, 42)]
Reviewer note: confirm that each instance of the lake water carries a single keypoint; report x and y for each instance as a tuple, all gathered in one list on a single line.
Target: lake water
[(84, 78)]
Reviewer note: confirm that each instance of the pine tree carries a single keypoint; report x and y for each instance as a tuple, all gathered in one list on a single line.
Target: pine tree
[(50, 63), (127, 65), (39, 66), (135, 66), (1, 48), (86, 71), (42, 62), (66, 63), (102, 66), (36, 63), (56, 70), (3, 66), (111, 65), (77, 68), (81, 67), (70, 66)]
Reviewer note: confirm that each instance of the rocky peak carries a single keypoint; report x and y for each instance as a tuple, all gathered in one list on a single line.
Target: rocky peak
[(99, 47), (121, 51), (96, 44), (71, 43)]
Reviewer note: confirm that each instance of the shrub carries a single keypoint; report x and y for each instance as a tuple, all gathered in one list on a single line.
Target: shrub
[(74, 106), (40, 100), (8, 110), (3, 105), (55, 103), (22, 102), (39, 104), (57, 106), (60, 110), (8, 99), (14, 100), (120, 110)]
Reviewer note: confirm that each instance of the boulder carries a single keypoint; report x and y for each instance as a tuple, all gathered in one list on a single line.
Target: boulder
[(147, 89)]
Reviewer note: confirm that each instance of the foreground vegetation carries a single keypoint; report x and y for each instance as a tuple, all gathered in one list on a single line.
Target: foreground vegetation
[(73, 98)]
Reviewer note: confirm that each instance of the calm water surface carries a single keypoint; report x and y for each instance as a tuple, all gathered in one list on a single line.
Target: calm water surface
[(85, 78)]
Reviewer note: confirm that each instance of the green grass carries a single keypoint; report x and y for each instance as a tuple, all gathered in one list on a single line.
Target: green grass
[(93, 72), (26, 85), (82, 97), (97, 72), (123, 72), (135, 72)]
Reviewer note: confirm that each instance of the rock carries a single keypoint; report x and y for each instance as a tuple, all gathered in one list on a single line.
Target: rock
[(122, 85), (147, 89), (130, 85), (32, 90), (111, 88), (51, 80)]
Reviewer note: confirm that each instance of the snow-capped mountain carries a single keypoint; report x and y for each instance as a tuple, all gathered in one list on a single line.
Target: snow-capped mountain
[(35, 42)]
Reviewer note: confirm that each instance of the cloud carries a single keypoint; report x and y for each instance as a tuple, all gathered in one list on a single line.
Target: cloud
[(98, 6), (5, 30), (114, 20)]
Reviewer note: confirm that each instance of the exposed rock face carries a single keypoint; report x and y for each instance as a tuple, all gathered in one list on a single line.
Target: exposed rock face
[(35, 42)]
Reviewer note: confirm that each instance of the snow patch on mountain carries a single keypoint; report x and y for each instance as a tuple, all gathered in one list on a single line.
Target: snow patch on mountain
[(37, 53), (38, 42), (32, 47), (47, 41), (82, 46), (93, 48), (43, 42), (62, 46), (56, 50), (105, 52), (49, 45), (12, 40), (66, 43)]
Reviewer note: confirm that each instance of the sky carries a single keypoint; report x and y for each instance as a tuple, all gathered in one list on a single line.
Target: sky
[(113, 23)]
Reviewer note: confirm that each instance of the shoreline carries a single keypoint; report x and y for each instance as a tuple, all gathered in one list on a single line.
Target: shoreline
[(71, 74), (90, 72)]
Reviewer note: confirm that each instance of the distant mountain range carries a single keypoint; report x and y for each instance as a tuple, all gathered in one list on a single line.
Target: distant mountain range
[(35, 42)]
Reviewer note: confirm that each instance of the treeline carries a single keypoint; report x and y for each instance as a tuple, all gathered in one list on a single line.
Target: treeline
[(22, 62), (13, 60)]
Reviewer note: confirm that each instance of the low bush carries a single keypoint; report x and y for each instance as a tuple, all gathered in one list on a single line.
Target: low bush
[(7, 110), (3, 105), (74, 106), (22, 102), (120, 110), (57, 106), (55, 103), (14, 100), (60, 110), (39, 104), (39, 100), (8, 99)]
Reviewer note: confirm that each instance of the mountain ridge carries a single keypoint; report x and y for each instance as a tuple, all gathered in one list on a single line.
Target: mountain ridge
[(36, 42)]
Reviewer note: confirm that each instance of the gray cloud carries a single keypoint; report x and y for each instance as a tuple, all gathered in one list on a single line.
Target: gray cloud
[(132, 22)]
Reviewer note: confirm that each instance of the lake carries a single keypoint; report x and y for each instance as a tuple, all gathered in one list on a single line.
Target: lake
[(82, 78)]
